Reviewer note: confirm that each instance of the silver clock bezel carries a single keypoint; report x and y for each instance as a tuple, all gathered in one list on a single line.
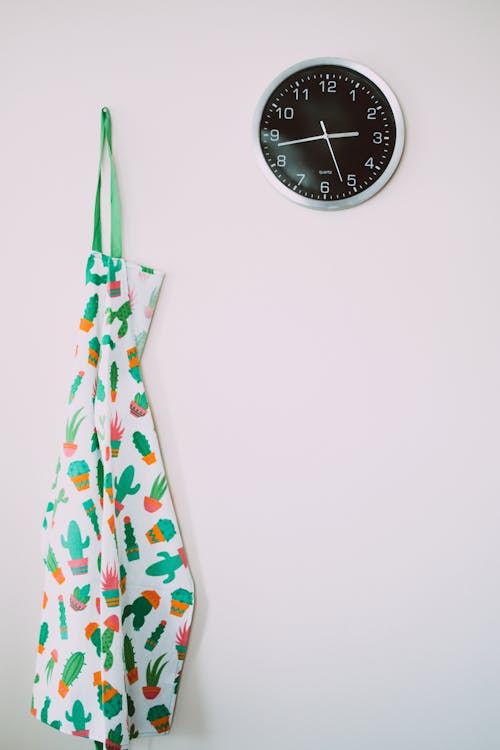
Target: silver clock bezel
[(353, 200)]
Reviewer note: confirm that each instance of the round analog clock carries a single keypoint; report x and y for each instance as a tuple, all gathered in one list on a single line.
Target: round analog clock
[(329, 133)]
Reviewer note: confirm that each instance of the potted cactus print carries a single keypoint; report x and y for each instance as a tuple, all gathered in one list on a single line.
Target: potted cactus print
[(129, 658), (42, 638), (54, 658), (63, 624), (149, 308), (116, 435), (72, 426), (139, 405), (110, 700), (142, 444), (78, 472), (153, 674), (75, 545), (75, 385), (159, 716), (91, 512), (162, 531), (114, 739), (155, 636), (182, 639), (94, 351), (71, 672), (87, 321), (125, 486), (131, 548), (181, 599), (113, 380), (152, 501), (110, 586), (133, 364), (80, 597), (52, 565), (78, 719)]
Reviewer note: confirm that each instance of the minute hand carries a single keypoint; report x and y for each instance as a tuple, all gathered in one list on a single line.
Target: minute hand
[(319, 137)]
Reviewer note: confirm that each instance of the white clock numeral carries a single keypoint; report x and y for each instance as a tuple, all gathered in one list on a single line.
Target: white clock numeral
[(377, 137), (369, 162), (328, 87), (286, 112), (324, 186), (275, 134), (281, 160), (301, 178), (372, 113), (305, 93), (352, 92), (351, 180)]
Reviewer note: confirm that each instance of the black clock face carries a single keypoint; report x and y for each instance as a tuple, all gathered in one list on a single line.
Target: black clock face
[(328, 133)]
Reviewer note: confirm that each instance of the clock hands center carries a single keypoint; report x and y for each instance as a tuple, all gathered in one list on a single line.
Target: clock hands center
[(320, 137), (325, 136)]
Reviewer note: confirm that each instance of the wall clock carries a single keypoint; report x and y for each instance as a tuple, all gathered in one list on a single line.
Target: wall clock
[(329, 132)]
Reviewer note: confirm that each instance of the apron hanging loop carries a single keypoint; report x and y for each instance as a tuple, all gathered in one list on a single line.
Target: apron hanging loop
[(116, 229)]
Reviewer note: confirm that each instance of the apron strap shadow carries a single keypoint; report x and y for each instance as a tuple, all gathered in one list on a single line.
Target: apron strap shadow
[(116, 229)]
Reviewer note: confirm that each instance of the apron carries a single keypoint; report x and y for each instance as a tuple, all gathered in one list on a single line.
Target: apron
[(118, 595)]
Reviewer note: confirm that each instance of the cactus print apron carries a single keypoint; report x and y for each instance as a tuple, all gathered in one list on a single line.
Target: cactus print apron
[(118, 595)]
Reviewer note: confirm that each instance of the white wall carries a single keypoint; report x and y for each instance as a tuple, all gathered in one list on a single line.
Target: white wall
[(325, 384)]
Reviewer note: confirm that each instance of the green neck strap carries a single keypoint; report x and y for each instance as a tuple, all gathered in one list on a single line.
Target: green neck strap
[(116, 228)]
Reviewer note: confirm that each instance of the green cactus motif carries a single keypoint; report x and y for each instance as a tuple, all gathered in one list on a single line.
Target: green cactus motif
[(113, 380), (77, 717), (142, 444), (106, 644), (124, 486), (155, 636), (94, 441), (129, 659), (115, 737), (49, 668), (71, 672), (122, 314), (100, 478), (94, 278), (89, 313), (94, 351), (75, 385), (131, 546), (159, 718), (44, 715), (100, 391), (167, 566), (58, 469), (130, 705), (80, 597), (42, 638), (52, 506), (63, 624), (91, 512), (139, 406), (106, 339), (74, 543)]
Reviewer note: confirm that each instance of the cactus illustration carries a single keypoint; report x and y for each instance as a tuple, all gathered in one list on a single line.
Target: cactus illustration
[(123, 579), (63, 625), (155, 636), (94, 441), (53, 566), (42, 638), (122, 314), (100, 480), (100, 390), (152, 501), (149, 308), (114, 285), (162, 531), (52, 506), (91, 512), (182, 639), (72, 426), (78, 719), (116, 431), (112, 626), (115, 737), (44, 715), (141, 607), (109, 586), (94, 351), (75, 545), (110, 700), (131, 547), (153, 674), (139, 405), (78, 472), (72, 670), (133, 364), (130, 662), (180, 600), (87, 320), (130, 705), (80, 597), (168, 565), (159, 716), (75, 385), (113, 380), (140, 341), (94, 278), (124, 486), (51, 664), (93, 634), (108, 485), (142, 445)]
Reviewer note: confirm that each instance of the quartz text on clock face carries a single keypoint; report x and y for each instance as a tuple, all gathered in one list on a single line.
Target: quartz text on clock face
[(327, 132)]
